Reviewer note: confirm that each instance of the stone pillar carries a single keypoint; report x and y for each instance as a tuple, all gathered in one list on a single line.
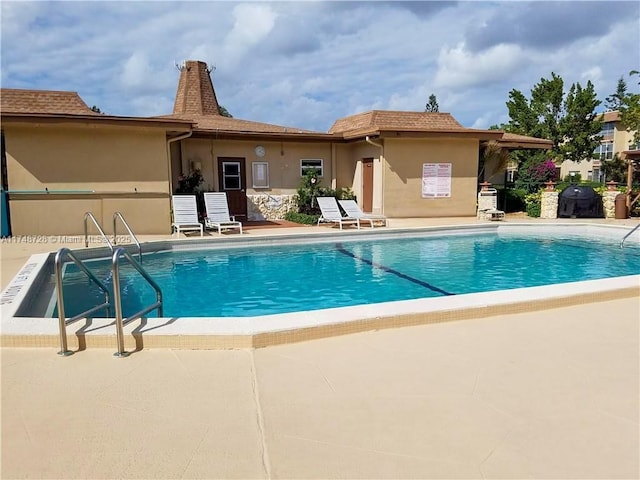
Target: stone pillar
[(549, 202), (609, 200)]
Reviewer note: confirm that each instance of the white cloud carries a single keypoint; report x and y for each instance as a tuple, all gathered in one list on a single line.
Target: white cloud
[(136, 71), (594, 74), (302, 64), (253, 22), (458, 67)]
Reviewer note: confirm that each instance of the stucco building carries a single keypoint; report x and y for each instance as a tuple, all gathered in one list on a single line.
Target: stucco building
[(616, 140), (61, 159)]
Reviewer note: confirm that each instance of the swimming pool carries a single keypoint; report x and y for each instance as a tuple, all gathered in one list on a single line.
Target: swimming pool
[(28, 298), (248, 282)]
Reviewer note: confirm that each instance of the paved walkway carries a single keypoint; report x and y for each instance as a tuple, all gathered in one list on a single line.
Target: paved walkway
[(551, 394)]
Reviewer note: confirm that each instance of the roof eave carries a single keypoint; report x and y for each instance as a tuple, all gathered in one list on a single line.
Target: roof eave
[(399, 132), (54, 118), (631, 154), (526, 144), (223, 134)]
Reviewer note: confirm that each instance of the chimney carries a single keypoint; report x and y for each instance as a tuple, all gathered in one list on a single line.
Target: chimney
[(195, 93)]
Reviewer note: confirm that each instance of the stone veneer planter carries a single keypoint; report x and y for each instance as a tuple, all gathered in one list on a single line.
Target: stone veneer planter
[(269, 207)]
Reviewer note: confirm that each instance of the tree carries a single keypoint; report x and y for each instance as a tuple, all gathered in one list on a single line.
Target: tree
[(224, 112), (615, 100), (579, 127), (493, 159), (570, 123), (630, 111), (615, 169), (432, 104)]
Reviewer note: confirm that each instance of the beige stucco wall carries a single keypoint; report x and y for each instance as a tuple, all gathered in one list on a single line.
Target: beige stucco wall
[(402, 177), (101, 169), (350, 171), (283, 159), (64, 214), (397, 179), (104, 169)]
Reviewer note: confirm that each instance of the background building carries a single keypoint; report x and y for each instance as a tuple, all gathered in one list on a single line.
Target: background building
[(616, 139)]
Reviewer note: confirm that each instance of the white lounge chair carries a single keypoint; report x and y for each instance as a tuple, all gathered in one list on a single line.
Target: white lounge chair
[(185, 214), (352, 209), (218, 212), (331, 213)]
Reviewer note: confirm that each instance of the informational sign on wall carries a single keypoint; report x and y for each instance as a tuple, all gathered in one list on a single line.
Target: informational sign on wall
[(436, 180)]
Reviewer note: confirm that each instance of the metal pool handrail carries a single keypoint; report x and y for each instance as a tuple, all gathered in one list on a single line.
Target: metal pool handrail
[(95, 222), (629, 234), (120, 322), (63, 321), (116, 216)]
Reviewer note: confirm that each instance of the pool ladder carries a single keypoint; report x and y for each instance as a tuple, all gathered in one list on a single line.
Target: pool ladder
[(116, 254), (628, 235)]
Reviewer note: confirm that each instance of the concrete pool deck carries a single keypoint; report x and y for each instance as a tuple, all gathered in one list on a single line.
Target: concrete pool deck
[(551, 394)]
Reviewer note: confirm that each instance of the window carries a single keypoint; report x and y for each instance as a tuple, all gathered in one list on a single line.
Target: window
[(309, 164), (607, 129), (231, 176), (260, 175), (604, 151)]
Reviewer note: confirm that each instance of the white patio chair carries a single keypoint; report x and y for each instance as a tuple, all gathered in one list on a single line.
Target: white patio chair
[(352, 209), (218, 213), (331, 213), (185, 214)]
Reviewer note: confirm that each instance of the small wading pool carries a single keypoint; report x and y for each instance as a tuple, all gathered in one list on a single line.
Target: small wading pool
[(245, 286)]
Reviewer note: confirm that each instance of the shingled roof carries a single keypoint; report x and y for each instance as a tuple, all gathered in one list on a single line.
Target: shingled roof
[(611, 116), (196, 103), (195, 95), (218, 123), (393, 120), (514, 140), (43, 102)]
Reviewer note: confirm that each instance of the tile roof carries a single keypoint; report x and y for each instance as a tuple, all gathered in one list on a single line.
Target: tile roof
[(42, 102), (392, 120)]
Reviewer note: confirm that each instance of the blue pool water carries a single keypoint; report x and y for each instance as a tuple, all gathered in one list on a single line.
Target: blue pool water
[(239, 282)]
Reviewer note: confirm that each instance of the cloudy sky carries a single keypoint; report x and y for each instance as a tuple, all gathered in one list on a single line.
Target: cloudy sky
[(306, 64)]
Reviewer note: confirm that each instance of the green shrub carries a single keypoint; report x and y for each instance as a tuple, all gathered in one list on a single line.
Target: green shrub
[(572, 179), (310, 189), (514, 201), (191, 183), (534, 204), (533, 209), (302, 218)]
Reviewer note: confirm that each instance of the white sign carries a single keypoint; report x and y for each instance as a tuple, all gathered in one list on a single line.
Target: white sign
[(436, 180)]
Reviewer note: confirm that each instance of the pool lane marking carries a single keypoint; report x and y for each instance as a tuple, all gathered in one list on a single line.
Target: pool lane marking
[(342, 250)]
